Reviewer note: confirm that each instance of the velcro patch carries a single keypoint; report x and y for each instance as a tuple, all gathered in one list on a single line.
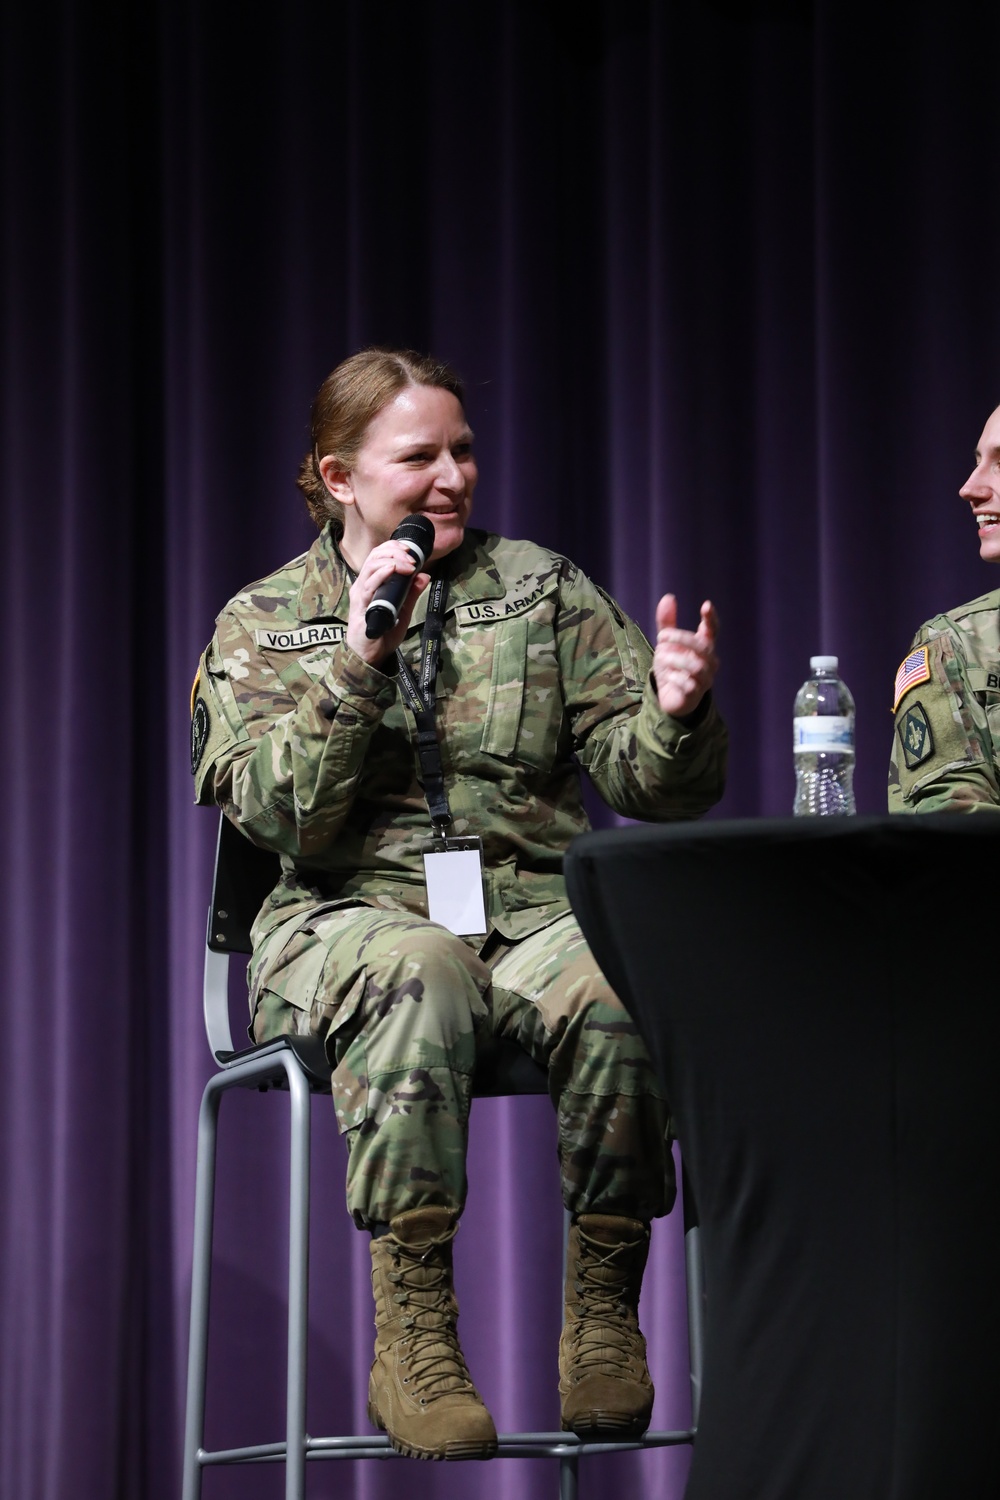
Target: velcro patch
[(915, 736), (199, 733), (913, 669), (303, 639)]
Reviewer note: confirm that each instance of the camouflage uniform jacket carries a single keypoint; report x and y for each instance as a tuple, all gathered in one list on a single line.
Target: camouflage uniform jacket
[(946, 745), (311, 751)]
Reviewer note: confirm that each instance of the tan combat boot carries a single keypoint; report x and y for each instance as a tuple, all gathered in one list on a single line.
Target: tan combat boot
[(420, 1391), (603, 1380)]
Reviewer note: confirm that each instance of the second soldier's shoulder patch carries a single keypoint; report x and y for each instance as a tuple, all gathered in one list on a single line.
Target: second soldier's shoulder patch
[(915, 736)]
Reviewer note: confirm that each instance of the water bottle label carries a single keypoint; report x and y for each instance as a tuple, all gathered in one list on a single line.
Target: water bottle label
[(819, 733)]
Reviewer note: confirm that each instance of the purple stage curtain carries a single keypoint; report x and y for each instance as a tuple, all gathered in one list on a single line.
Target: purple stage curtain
[(722, 282)]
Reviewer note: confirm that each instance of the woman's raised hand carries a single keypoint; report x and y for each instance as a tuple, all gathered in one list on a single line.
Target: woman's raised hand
[(684, 661)]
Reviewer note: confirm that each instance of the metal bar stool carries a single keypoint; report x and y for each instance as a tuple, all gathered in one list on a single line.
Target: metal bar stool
[(244, 875)]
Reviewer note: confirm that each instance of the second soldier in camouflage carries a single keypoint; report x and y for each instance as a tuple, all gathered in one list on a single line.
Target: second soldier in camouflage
[(946, 745)]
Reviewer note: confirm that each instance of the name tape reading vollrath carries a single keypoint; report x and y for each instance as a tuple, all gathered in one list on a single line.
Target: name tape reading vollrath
[(303, 639)]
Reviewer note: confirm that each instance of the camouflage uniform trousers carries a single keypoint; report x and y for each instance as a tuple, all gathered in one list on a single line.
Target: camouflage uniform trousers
[(404, 1006)]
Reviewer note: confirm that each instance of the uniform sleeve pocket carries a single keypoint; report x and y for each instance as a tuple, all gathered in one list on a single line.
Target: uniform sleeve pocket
[(212, 731)]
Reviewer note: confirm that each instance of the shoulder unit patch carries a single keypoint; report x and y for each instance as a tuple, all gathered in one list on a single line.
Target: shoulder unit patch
[(915, 736), (199, 733)]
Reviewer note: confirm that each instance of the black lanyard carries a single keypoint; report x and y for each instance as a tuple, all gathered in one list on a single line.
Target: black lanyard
[(420, 700)]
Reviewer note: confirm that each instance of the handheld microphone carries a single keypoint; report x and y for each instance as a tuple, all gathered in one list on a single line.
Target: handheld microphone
[(417, 535)]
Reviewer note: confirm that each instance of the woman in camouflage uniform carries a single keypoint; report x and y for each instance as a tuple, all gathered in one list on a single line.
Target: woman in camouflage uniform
[(302, 735), (946, 748)]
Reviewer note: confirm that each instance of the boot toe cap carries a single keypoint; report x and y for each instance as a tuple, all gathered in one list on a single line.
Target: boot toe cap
[(603, 1404)]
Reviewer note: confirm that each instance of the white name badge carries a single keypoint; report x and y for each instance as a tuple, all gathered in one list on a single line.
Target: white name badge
[(453, 869)]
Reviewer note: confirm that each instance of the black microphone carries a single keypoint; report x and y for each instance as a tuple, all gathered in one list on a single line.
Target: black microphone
[(417, 535)]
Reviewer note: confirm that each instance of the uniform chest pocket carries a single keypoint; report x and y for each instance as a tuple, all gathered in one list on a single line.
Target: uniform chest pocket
[(524, 710), (985, 685), (991, 702), (505, 704), (500, 681)]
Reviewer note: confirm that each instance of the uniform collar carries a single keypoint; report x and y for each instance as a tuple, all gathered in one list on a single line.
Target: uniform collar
[(323, 594), (472, 575), (325, 581)]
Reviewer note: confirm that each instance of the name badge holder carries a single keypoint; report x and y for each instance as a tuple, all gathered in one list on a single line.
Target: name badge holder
[(453, 867)]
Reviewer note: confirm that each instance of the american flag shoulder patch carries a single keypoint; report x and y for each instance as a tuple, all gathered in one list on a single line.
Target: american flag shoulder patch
[(912, 670)]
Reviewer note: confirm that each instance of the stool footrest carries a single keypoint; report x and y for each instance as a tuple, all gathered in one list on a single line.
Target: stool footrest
[(509, 1445)]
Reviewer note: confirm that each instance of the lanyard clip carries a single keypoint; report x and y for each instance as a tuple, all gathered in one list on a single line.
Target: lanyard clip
[(440, 824)]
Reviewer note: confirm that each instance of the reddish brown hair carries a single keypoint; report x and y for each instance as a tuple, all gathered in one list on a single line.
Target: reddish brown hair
[(346, 403)]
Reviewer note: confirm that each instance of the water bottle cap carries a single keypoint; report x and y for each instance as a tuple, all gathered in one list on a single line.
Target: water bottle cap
[(825, 665)]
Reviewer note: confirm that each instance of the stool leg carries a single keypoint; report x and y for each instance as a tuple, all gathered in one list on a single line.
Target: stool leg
[(201, 1270), (696, 1314), (694, 1268), (569, 1467), (298, 1282)]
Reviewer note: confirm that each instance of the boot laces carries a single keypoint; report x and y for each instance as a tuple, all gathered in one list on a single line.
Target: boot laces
[(433, 1360), (605, 1328)]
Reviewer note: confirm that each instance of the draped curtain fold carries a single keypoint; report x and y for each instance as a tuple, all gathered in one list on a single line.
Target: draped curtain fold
[(721, 279)]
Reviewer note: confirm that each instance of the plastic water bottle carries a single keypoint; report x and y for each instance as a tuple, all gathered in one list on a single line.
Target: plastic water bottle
[(824, 743)]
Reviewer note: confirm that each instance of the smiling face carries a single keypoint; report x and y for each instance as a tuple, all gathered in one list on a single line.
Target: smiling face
[(982, 489), (416, 459)]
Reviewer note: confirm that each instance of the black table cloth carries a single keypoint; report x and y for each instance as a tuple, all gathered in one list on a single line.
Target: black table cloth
[(819, 997)]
